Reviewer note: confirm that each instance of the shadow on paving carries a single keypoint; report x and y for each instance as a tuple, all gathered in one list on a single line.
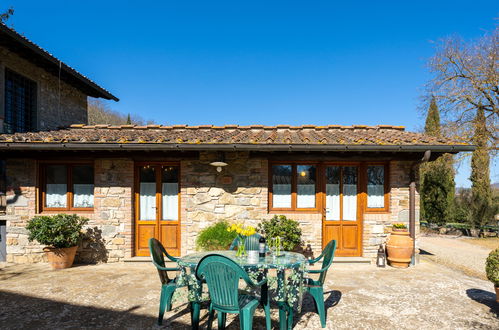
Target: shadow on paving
[(21, 311), (484, 297)]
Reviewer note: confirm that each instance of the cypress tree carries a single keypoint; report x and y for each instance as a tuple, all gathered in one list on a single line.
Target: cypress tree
[(481, 192), (436, 178), (432, 124), (128, 120)]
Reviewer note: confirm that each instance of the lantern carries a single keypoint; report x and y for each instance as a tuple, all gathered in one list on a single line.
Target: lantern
[(381, 259)]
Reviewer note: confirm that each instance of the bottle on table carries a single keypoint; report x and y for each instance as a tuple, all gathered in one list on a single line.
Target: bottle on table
[(261, 247)]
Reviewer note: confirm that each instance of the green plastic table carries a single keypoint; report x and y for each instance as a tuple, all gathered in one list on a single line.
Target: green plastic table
[(289, 289)]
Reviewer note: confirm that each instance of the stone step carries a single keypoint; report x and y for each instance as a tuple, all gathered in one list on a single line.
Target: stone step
[(351, 260)]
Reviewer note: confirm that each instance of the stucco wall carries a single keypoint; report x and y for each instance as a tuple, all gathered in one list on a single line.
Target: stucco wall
[(51, 113)]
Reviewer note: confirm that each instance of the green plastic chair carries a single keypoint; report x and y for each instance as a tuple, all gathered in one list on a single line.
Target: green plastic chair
[(316, 287), (252, 243), (222, 276), (168, 285)]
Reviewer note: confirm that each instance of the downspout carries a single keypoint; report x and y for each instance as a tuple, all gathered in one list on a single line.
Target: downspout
[(412, 202)]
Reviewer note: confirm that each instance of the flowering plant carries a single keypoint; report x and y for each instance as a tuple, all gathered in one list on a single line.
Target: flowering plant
[(242, 233)]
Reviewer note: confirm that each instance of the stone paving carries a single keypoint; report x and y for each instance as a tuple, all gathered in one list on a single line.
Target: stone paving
[(126, 296)]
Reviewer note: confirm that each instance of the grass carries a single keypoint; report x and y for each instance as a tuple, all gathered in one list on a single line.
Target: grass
[(491, 243)]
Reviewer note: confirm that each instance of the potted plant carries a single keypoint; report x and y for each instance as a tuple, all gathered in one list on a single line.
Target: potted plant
[(492, 270), (61, 233), (215, 237), (399, 246)]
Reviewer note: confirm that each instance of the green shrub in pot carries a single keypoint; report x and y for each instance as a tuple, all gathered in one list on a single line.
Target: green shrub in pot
[(492, 270), (287, 229), (215, 237), (58, 231), (492, 267)]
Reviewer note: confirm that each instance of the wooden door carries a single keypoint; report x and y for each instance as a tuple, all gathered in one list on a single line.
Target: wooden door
[(157, 207), (342, 212)]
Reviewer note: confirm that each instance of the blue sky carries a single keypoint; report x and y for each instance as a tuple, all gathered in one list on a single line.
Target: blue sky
[(257, 62)]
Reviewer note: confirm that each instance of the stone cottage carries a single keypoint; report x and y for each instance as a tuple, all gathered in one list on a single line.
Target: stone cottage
[(135, 182), (37, 92), (347, 183)]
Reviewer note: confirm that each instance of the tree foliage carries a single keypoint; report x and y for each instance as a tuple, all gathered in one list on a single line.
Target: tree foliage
[(99, 112), (4, 17), (466, 78), (436, 178), (483, 207)]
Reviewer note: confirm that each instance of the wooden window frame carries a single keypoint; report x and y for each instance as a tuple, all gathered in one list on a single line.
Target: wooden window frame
[(293, 208), (69, 193), (386, 208)]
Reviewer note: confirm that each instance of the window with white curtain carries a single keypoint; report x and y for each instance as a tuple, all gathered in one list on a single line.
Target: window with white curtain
[(170, 193), (56, 186), (376, 186), (333, 193), (350, 193), (281, 186), (83, 186), (147, 193), (305, 186), (68, 186)]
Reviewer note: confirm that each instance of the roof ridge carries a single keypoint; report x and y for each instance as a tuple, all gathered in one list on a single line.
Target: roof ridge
[(241, 127)]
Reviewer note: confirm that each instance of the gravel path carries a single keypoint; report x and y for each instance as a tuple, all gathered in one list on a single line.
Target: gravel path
[(455, 253)]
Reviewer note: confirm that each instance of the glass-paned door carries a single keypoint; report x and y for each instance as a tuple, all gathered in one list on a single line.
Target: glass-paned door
[(157, 207), (342, 218)]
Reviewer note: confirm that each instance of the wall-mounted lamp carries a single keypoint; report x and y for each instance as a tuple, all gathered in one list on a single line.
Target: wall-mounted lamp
[(220, 162)]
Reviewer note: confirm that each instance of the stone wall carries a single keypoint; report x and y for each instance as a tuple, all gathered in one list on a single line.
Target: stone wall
[(238, 193), (377, 225), (109, 231), (52, 113)]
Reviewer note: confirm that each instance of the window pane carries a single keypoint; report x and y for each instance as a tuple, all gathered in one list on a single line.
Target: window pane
[(333, 193), (281, 186), (376, 186), (147, 193), (56, 186), (170, 193), (83, 186), (305, 186), (350, 193)]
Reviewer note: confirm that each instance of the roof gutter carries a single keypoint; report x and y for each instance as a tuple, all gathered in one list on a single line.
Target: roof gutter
[(229, 147)]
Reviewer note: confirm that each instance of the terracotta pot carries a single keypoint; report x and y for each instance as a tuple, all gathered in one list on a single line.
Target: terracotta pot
[(497, 293), (399, 248), (60, 258)]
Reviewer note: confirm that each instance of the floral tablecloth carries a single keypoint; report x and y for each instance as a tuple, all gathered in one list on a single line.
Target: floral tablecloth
[(286, 282)]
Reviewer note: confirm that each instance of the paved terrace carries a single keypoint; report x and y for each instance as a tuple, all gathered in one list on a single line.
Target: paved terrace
[(126, 295)]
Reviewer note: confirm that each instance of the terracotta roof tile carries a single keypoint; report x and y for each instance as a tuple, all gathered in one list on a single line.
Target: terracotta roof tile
[(230, 134)]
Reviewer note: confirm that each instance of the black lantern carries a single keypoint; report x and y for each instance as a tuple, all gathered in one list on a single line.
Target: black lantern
[(381, 259)]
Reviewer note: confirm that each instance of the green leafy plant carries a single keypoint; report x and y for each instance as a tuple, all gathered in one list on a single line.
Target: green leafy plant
[(59, 231), (287, 229), (492, 267), (215, 237), (399, 226)]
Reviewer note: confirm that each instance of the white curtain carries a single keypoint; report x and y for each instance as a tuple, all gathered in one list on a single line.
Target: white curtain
[(332, 201), (83, 195), (375, 196), (306, 196), (170, 201), (281, 195), (147, 201), (350, 202), (55, 195)]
